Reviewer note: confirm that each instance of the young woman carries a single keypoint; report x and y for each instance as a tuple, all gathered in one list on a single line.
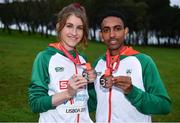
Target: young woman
[(58, 90)]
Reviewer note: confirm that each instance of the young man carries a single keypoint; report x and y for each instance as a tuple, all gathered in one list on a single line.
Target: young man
[(128, 87)]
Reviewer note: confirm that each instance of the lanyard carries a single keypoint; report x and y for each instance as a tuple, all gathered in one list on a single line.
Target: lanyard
[(75, 60), (110, 67)]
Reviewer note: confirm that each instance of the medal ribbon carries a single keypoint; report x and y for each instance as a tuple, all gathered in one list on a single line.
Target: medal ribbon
[(76, 60), (108, 60)]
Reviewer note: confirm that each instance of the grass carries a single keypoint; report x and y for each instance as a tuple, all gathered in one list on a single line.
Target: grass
[(17, 52)]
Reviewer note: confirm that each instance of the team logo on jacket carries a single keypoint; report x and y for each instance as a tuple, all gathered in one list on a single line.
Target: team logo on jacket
[(128, 72), (59, 69)]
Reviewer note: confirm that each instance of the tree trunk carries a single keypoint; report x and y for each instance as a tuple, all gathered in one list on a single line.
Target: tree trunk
[(29, 30), (19, 28), (158, 38), (145, 37)]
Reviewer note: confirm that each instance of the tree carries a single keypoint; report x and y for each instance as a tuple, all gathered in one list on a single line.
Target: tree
[(6, 16)]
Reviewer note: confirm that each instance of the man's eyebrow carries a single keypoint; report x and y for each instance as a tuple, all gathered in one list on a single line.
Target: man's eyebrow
[(112, 26), (118, 26)]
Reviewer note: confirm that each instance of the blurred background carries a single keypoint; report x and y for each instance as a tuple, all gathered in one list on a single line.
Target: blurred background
[(27, 26), (151, 22)]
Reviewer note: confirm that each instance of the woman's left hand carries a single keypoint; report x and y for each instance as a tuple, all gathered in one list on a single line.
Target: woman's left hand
[(123, 82), (90, 75)]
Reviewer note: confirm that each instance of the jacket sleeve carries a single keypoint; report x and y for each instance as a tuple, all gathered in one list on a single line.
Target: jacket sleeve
[(39, 100), (154, 100), (92, 102)]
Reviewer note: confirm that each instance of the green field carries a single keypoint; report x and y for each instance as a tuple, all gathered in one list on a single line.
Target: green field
[(17, 52)]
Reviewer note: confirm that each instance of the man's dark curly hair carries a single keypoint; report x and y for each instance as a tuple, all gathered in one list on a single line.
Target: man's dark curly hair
[(111, 12)]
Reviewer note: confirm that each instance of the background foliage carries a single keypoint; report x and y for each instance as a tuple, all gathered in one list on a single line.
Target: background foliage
[(146, 18)]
